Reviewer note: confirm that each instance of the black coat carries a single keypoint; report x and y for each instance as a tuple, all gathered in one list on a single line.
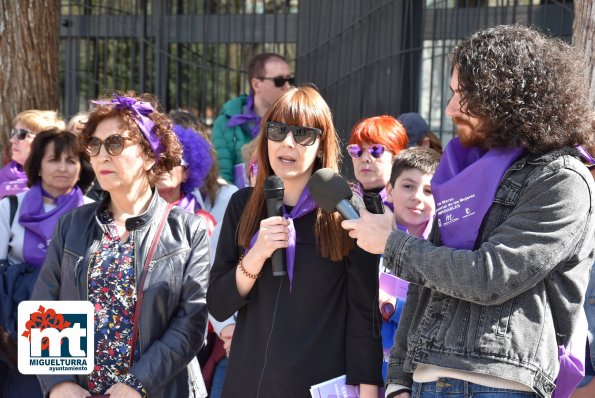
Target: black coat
[(174, 314), (285, 341)]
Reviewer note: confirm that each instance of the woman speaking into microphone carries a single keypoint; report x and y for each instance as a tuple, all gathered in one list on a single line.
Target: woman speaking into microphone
[(319, 321)]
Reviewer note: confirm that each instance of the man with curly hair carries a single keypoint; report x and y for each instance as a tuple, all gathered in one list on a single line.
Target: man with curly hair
[(497, 290)]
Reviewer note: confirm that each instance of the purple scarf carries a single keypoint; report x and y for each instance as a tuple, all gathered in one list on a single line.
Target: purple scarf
[(13, 179), (305, 205), (427, 229), (39, 225), (464, 187), (246, 116), (189, 203)]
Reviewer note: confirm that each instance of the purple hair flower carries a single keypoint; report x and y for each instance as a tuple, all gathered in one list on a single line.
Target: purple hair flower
[(141, 111)]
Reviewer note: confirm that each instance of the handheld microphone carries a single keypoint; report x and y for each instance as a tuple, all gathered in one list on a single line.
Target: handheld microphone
[(273, 195), (332, 193)]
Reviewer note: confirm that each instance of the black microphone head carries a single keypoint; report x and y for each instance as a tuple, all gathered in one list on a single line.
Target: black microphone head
[(273, 187), (328, 189)]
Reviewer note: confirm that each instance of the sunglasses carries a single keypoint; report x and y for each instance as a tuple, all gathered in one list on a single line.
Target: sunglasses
[(280, 81), (355, 151), (20, 134), (114, 145), (305, 136)]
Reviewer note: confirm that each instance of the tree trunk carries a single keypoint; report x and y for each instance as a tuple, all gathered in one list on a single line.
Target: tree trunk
[(583, 37), (29, 78)]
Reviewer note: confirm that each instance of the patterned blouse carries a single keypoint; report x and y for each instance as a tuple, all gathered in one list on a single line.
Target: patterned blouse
[(113, 294)]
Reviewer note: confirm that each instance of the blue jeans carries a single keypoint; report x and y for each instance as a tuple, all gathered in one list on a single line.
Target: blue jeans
[(218, 378), (454, 388)]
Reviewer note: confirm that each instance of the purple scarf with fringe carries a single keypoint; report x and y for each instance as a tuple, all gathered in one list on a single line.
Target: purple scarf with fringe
[(39, 225), (464, 187), (189, 203), (13, 179), (305, 205)]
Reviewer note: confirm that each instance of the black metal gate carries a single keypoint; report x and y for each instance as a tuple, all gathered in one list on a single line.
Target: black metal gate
[(367, 57)]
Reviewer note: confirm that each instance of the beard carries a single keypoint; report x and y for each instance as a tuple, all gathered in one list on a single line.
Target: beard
[(467, 132)]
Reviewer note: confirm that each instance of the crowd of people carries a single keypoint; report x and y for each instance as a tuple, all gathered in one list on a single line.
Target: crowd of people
[(473, 278)]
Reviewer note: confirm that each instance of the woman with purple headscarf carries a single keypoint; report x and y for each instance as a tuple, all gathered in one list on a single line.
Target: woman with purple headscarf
[(57, 175), (142, 264)]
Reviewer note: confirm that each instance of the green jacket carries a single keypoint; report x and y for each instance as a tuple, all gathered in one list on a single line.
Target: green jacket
[(228, 141)]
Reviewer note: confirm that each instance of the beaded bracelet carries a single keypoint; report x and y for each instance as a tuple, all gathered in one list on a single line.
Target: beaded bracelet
[(243, 270)]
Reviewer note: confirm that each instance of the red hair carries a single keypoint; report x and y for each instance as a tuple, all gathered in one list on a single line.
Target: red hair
[(384, 130)]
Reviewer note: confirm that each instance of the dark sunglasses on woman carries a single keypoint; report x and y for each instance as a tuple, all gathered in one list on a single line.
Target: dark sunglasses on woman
[(305, 136), (355, 151), (280, 81), (20, 134), (114, 145)]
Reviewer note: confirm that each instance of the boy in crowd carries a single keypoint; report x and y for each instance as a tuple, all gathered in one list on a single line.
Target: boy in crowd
[(410, 193)]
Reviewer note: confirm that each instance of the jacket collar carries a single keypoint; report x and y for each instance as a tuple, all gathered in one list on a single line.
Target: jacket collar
[(139, 221), (545, 158)]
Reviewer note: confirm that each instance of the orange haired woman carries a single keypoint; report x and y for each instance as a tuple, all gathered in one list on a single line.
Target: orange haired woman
[(373, 145)]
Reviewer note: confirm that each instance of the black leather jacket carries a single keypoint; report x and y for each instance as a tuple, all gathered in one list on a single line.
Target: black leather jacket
[(174, 313)]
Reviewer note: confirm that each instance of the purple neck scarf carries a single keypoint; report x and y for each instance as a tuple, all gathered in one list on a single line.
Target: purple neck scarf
[(305, 205), (189, 203), (13, 179), (464, 187), (39, 225), (246, 116), (141, 111), (426, 231)]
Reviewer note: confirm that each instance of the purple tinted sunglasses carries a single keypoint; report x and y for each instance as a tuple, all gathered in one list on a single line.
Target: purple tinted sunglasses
[(355, 151)]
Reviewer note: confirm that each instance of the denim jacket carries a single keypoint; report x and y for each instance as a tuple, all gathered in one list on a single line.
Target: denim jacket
[(503, 308)]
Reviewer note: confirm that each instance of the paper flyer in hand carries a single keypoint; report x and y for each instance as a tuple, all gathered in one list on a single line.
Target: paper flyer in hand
[(336, 388), (394, 286)]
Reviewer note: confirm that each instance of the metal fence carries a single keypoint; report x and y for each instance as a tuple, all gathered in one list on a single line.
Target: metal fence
[(367, 57)]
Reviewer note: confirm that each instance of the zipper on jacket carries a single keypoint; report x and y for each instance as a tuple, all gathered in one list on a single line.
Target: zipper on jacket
[(86, 288), (136, 280)]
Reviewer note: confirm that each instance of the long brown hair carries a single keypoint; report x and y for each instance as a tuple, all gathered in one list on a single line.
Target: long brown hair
[(299, 106)]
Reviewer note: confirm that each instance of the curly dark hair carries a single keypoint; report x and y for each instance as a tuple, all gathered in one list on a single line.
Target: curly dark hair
[(163, 128), (526, 89)]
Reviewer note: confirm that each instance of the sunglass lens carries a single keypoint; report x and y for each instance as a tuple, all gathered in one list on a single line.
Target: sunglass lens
[(377, 151), (276, 132), (114, 145), (280, 81), (93, 146), (354, 151), (304, 137), (20, 134)]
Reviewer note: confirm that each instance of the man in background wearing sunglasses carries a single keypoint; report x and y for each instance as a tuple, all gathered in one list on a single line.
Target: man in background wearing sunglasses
[(239, 120), (26, 126)]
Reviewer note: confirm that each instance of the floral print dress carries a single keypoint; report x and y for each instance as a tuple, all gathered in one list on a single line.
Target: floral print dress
[(111, 284)]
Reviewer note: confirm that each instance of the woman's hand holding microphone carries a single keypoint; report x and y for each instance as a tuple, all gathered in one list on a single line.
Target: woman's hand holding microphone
[(272, 235)]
